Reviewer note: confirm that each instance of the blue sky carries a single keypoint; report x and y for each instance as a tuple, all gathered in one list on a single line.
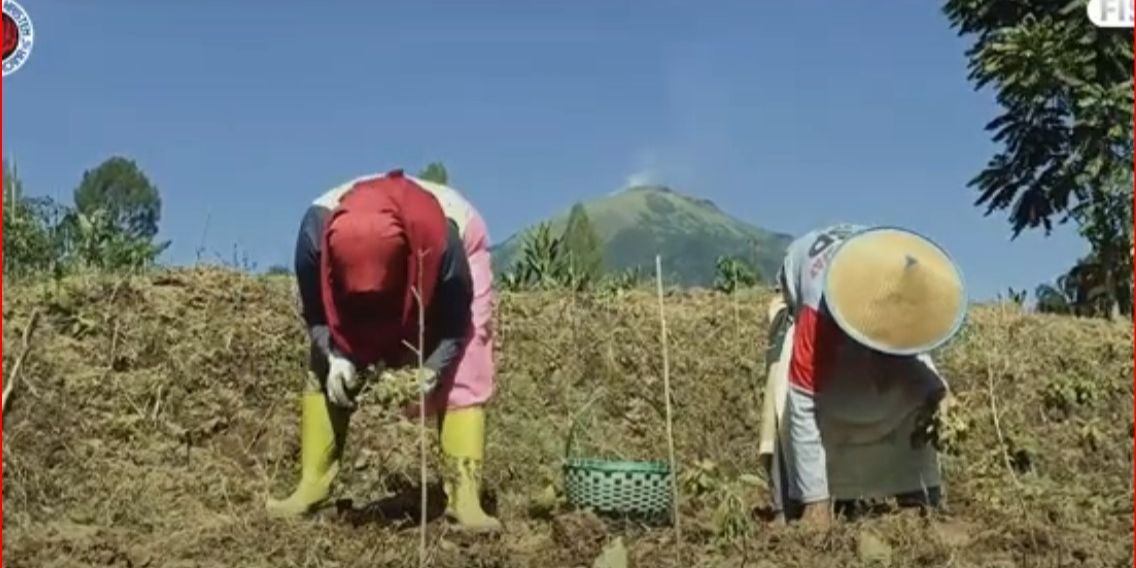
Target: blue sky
[(789, 115)]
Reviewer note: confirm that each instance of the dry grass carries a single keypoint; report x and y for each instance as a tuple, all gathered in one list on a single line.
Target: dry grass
[(165, 410)]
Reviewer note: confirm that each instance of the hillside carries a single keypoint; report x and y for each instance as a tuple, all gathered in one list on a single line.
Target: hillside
[(690, 233), (154, 415)]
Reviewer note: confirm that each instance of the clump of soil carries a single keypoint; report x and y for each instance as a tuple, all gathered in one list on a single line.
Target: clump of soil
[(156, 414)]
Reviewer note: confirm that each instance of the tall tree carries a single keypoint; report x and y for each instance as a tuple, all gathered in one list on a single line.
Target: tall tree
[(33, 242), (734, 273), (1055, 299), (435, 172), (13, 188), (1065, 88), (1083, 290), (582, 244), (1066, 128), (1106, 222), (124, 194)]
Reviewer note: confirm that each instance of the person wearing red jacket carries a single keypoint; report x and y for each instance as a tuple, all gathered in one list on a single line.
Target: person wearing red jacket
[(368, 254)]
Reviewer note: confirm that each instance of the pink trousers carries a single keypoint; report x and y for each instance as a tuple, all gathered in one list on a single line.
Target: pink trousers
[(470, 380)]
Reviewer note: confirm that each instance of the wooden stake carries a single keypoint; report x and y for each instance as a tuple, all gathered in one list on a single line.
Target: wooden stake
[(1006, 453), (14, 376), (421, 418), (998, 428), (667, 395)]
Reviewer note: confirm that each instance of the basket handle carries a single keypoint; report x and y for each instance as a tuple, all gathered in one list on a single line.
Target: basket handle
[(571, 443)]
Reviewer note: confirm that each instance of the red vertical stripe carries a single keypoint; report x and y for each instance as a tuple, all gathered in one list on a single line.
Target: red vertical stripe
[(814, 340)]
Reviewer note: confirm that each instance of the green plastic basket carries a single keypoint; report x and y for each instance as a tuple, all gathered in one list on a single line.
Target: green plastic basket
[(616, 487)]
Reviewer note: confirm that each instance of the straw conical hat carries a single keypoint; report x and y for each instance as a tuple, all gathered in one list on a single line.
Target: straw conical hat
[(895, 291)]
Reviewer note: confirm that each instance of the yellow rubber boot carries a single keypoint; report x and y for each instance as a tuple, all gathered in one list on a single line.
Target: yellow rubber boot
[(463, 451), (323, 431)]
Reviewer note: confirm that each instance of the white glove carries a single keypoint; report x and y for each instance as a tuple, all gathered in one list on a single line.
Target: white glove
[(423, 381), (427, 380), (342, 380)]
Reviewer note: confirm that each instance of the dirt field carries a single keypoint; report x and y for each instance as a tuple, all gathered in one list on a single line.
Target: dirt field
[(155, 415)]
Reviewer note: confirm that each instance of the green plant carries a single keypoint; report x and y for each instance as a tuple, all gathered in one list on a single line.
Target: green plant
[(722, 500), (511, 281), (112, 230), (97, 241), (732, 518), (950, 427), (700, 479), (733, 274), (1063, 394), (33, 241), (1017, 297), (435, 172), (615, 284), (544, 265)]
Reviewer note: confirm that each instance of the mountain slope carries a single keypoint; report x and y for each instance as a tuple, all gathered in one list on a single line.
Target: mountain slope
[(690, 234)]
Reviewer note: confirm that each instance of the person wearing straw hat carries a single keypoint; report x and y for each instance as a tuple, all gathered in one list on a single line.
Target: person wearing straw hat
[(369, 252), (852, 389)]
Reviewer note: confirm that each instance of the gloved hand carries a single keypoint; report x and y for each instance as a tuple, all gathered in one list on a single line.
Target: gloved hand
[(425, 379), (416, 380), (343, 381)]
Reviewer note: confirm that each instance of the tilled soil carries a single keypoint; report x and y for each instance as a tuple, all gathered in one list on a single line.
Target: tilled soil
[(155, 414)]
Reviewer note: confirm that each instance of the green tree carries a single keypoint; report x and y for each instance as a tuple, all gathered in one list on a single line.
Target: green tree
[(1065, 87), (13, 185), (278, 270), (733, 274), (1054, 299), (1106, 222), (120, 189), (435, 172), (41, 236), (582, 245), (1066, 91), (1085, 290), (32, 240), (1070, 295)]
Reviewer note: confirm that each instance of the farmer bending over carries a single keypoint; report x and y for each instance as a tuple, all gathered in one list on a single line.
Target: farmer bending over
[(366, 251), (851, 389)]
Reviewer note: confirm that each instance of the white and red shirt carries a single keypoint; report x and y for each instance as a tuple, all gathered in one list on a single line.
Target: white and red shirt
[(801, 278), (823, 356)]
